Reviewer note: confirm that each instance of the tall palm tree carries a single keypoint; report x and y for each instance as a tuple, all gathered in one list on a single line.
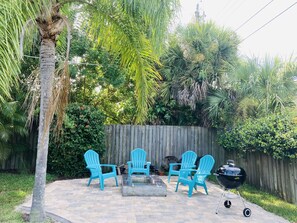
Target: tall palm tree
[(198, 56), (130, 29)]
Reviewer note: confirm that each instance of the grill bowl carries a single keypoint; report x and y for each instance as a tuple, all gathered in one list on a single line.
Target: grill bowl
[(230, 176)]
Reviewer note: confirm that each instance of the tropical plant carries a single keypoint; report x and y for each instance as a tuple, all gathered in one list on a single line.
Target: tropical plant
[(83, 129), (254, 89), (197, 58), (12, 128), (99, 80), (131, 30), (274, 134)]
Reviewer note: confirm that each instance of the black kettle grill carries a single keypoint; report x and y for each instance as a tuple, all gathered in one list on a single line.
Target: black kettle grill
[(229, 177)]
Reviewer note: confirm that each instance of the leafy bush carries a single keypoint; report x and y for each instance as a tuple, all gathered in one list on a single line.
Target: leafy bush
[(82, 130), (275, 135)]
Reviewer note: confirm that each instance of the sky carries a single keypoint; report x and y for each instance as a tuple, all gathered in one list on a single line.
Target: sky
[(278, 38)]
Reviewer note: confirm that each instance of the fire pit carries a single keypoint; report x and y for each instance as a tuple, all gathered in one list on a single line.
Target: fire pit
[(142, 185)]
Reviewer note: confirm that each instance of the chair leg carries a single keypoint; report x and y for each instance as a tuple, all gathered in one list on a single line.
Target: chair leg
[(195, 186), (116, 180), (176, 188), (205, 188), (169, 175), (89, 181), (101, 184), (190, 191)]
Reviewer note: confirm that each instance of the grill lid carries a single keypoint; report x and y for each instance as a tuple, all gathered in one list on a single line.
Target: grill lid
[(230, 176), (229, 169)]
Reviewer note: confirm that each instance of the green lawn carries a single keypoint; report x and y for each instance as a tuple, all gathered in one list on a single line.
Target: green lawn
[(267, 201), (13, 190)]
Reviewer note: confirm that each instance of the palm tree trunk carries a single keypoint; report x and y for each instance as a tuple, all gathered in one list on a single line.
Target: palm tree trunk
[(47, 68)]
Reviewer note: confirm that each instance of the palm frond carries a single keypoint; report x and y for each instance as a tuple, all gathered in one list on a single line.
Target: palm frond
[(155, 16), (14, 14), (119, 34)]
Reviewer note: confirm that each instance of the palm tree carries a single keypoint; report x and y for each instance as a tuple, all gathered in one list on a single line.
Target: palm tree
[(130, 29), (198, 56), (254, 88)]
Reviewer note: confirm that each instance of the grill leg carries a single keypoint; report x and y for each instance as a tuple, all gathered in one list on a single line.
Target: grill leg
[(217, 210), (241, 198)]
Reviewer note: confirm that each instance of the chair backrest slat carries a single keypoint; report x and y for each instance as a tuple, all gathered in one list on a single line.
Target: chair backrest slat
[(188, 160), (138, 158), (92, 158), (206, 164)]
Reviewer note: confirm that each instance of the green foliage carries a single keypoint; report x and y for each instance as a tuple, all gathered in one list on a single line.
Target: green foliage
[(270, 202), (106, 86), (254, 89), (12, 129), (82, 130), (194, 63), (171, 113), (275, 135)]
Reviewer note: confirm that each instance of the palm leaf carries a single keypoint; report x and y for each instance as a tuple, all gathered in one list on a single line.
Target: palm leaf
[(119, 34)]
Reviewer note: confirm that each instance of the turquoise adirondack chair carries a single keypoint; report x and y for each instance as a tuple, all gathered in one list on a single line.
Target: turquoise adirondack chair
[(93, 164), (138, 162), (188, 162), (205, 166)]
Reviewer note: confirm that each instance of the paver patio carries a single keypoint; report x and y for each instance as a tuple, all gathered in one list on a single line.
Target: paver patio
[(73, 201)]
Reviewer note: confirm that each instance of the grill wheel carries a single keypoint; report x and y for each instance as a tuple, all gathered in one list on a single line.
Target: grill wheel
[(247, 212), (227, 203)]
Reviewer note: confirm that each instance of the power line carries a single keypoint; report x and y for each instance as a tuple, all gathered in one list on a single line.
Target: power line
[(228, 9), (269, 21), (254, 15)]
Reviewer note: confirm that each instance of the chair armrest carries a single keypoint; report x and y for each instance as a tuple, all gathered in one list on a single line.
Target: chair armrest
[(110, 165), (185, 172), (93, 167), (202, 174), (173, 164)]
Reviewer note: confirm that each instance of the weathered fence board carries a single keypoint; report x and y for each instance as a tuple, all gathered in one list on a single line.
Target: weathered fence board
[(160, 141)]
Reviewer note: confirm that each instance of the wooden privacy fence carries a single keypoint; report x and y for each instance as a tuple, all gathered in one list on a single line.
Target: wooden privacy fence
[(276, 176), (159, 141)]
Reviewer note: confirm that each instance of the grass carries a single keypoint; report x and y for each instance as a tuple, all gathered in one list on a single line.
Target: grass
[(267, 201), (13, 190)]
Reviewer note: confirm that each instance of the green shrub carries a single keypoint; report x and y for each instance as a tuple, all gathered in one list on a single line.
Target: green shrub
[(275, 135), (82, 130)]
